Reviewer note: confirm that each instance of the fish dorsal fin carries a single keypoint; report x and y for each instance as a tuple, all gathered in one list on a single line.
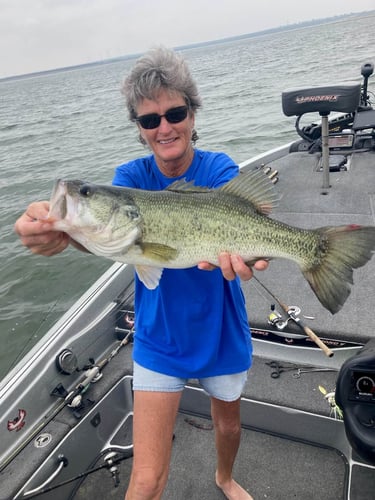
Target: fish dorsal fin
[(255, 188), (149, 275), (183, 186)]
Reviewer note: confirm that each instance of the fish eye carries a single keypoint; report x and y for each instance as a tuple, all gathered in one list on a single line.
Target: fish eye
[(85, 190), (132, 213)]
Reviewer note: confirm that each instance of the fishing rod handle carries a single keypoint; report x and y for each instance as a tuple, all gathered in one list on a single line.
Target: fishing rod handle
[(327, 351)]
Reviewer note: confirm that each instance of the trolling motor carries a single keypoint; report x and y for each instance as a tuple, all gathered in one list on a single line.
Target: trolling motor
[(365, 116), (355, 395), (367, 70)]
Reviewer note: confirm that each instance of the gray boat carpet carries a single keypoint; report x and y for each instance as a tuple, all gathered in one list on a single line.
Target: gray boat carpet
[(268, 467)]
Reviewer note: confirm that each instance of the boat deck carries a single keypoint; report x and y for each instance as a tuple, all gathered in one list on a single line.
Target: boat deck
[(268, 467), (284, 452), (294, 451)]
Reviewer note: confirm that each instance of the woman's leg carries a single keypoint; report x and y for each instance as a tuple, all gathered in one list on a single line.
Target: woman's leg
[(153, 425), (227, 424)]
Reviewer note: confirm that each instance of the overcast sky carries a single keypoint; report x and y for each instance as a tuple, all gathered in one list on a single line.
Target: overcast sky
[(37, 35)]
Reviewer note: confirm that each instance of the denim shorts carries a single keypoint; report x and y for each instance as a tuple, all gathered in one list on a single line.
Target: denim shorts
[(223, 387)]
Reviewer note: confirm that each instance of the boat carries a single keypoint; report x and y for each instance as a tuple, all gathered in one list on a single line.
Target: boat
[(308, 408)]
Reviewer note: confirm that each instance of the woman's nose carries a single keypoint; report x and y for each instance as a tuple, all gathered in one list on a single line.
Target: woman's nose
[(164, 124)]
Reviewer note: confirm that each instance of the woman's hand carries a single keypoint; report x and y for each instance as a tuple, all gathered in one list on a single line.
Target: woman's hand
[(36, 233), (233, 265)]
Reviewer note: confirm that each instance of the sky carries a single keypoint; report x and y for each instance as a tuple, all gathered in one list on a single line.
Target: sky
[(38, 35)]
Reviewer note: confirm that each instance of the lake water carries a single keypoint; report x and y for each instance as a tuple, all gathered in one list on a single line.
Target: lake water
[(73, 124)]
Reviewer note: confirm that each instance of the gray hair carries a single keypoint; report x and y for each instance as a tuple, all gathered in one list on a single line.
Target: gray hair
[(159, 69)]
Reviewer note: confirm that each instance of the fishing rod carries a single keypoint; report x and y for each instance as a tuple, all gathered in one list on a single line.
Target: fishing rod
[(291, 314), (111, 460)]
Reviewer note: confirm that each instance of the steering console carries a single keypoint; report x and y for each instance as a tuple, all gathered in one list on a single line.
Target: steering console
[(355, 394)]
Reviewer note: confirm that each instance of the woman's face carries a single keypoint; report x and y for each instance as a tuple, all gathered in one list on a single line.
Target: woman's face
[(170, 142)]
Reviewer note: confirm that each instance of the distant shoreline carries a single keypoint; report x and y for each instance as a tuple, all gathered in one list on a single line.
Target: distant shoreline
[(279, 29)]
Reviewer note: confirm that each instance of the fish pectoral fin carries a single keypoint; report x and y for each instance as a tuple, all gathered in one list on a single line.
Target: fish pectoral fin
[(158, 252), (149, 275)]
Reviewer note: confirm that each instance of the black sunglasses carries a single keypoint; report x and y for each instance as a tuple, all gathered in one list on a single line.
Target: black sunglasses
[(153, 120)]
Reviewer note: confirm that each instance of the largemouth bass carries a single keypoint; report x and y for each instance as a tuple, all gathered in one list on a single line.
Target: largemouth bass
[(184, 225)]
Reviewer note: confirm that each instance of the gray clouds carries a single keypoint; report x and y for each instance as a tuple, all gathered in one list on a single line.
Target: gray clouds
[(37, 35)]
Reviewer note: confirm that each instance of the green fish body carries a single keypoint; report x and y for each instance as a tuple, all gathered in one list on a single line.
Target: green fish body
[(184, 225)]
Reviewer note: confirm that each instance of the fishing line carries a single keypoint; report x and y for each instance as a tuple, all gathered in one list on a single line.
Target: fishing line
[(259, 290)]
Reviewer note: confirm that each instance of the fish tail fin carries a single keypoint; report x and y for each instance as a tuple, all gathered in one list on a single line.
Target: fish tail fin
[(341, 250)]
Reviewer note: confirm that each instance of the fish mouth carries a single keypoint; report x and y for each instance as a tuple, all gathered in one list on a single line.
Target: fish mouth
[(61, 203)]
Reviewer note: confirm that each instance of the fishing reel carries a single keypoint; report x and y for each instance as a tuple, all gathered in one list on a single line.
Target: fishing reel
[(280, 322)]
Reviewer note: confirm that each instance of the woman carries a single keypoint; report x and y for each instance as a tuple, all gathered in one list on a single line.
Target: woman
[(194, 324)]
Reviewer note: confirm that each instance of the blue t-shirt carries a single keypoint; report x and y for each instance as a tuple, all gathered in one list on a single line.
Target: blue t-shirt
[(194, 324)]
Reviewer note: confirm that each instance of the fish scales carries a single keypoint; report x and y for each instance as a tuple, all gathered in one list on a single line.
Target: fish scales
[(217, 225)]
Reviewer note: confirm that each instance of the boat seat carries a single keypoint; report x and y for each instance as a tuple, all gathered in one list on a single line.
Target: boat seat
[(343, 97)]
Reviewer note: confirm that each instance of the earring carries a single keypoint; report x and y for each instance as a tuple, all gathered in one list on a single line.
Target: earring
[(194, 136), (141, 140)]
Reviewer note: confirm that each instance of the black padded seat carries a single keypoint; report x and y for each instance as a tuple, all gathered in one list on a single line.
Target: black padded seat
[(343, 97)]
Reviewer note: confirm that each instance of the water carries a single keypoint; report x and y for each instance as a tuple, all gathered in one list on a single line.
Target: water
[(74, 124)]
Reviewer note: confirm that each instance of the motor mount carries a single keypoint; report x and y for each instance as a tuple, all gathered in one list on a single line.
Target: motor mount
[(355, 394)]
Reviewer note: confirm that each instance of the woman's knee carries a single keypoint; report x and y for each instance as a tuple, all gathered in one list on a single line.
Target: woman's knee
[(147, 483), (226, 417)]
